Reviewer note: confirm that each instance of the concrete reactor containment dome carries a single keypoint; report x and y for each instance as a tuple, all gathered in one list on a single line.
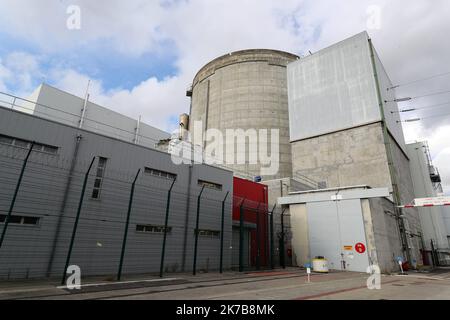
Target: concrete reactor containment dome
[(246, 90)]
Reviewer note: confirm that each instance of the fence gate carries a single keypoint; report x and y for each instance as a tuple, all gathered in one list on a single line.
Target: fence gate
[(235, 249)]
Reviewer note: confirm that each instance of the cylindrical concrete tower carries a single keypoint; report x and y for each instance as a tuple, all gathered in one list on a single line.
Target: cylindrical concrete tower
[(246, 90)]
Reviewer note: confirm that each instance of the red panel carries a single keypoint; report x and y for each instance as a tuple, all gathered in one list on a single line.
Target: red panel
[(256, 201)]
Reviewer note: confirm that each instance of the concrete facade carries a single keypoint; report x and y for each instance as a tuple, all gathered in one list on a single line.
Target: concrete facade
[(35, 251), (246, 90), (344, 158)]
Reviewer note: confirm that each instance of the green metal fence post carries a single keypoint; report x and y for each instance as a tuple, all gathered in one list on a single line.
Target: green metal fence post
[(194, 271), (258, 242), (127, 223), (272, 265), (161, 267), (221, 232), (75, 225), (16, 191), (282, 254), (241, 236)]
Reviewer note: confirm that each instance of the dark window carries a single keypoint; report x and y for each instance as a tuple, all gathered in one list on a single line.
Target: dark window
[(21, 143), (208, 233), (26, 144), (49, 149), (20, 220), (99, 177), (148, 228), (15, 219), (160, 173), (30, 220), (6, 140), (209, 184)]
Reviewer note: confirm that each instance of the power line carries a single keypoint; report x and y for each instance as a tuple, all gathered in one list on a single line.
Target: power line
[(431, 94), (417, 97), (419, 80), (421, 108), (437, 115), (425, 118)]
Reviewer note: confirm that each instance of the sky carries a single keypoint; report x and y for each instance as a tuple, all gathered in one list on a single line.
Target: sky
[(141, 55)]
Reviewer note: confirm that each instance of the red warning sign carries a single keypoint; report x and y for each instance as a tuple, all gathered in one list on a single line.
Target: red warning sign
[(360, 247)]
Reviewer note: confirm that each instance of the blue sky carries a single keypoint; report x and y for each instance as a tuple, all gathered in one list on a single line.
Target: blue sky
[(141, 55), (102, 61)]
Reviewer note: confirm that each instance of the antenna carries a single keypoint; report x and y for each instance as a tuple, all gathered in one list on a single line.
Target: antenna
[(136, 134), (86, 98)]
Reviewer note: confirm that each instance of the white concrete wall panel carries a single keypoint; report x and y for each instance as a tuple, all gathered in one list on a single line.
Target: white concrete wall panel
[(332, 89)]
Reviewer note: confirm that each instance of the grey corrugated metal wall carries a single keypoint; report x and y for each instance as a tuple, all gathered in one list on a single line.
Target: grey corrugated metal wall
[(26, 250)]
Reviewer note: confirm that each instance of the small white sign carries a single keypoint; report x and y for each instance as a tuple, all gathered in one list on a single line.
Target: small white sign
[(308, 270), (436, 201)]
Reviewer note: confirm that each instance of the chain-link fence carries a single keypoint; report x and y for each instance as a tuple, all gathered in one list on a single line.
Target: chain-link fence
[(55, 213), (53, 216)]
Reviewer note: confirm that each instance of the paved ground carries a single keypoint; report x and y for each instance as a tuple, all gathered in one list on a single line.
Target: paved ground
[(288, 284)]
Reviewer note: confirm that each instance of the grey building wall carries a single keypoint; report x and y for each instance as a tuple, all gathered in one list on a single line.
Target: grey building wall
[(246, 90), (345, 158), (26, 251), (386, 234), (406, 190)]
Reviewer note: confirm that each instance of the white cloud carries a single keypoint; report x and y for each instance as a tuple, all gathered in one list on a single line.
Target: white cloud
[(5, 74), (131, 25), (20, 70)]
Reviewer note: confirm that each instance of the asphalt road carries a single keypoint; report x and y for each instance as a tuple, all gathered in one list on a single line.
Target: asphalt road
[(289, 284)]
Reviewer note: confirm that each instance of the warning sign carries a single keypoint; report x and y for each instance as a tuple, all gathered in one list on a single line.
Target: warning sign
[(360, 247), (348, 248)]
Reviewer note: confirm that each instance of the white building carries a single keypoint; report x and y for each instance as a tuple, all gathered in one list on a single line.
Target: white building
[(52, 103)]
